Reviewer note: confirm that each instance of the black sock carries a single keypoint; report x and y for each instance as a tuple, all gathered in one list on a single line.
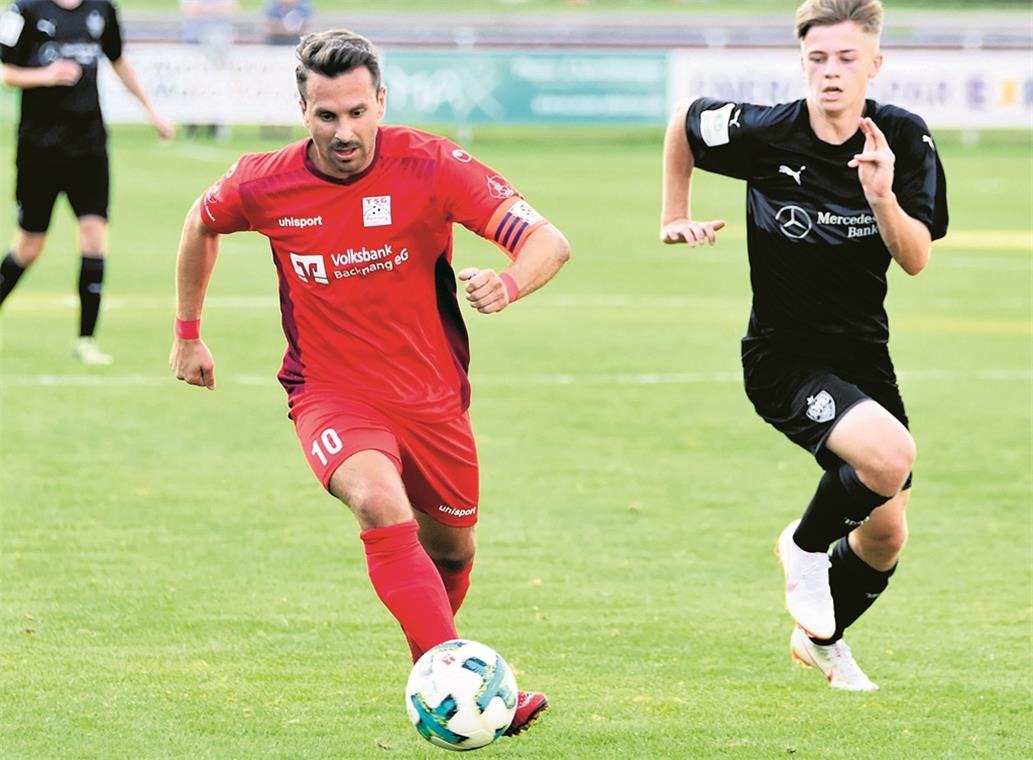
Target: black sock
[(10, 271), (855, 586), (841, 503), (91, 278)]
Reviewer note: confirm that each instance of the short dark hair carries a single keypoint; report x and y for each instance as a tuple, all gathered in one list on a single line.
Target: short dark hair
[(867, 14), (334, 52)]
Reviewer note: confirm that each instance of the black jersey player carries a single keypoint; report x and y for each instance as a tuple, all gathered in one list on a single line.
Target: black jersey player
[(838, 188), (51, 50)]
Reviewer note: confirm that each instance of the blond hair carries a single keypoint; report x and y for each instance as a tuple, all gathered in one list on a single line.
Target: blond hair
[(867, 14)]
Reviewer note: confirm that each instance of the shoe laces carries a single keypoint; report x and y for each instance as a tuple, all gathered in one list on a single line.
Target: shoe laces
[(840, 654), (814, 564)]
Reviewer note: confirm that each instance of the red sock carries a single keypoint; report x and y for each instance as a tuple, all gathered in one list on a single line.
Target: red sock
[(408, 584), (457, 583)]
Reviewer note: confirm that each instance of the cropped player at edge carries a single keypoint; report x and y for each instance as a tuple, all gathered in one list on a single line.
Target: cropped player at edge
[(838, 186), (359, 219), (51, 51)]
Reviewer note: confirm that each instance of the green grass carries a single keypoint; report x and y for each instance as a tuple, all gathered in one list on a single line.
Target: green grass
[(173, 582)]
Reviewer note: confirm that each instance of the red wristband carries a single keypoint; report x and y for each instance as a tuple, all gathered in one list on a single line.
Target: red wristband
[(188, 329), (512, 291)]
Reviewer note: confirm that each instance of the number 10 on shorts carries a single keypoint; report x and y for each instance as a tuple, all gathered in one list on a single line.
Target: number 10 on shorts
[(331, 444)]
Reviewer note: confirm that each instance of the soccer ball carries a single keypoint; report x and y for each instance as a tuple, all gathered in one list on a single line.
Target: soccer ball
[(461, 695)]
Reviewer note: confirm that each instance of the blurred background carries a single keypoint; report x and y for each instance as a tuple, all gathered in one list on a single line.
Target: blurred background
[(960, 64)]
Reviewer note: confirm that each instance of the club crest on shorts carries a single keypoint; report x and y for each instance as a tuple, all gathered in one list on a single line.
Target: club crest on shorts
[(821, 407)]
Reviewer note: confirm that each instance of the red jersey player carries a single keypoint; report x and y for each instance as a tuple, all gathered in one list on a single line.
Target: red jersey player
[(359, 218)]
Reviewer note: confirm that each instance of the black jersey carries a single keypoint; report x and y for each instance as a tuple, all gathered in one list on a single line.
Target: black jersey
[(64, 121), (817, 262)]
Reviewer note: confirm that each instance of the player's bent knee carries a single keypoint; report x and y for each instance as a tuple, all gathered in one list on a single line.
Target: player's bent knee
[(888, 469), (897, 464), (452, 549), (28, 249), (886, 542), (376, 506), (454, 560)]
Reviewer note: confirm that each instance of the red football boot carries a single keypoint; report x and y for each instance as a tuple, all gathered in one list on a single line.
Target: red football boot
[(530, 704)]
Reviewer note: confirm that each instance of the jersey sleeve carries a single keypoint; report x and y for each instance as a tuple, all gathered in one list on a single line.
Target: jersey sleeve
[(722, 135), (14, 48), (111, 39), (918, 180), (222, 206), (483, 201)]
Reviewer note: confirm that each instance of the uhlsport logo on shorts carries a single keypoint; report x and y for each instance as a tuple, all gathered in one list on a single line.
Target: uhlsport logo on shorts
[(821, 407), (457, 511)]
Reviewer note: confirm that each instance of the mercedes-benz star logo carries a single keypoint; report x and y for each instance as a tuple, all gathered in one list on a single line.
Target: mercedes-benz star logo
[(794, 222)]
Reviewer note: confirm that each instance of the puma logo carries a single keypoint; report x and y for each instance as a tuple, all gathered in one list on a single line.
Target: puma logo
[(734, 121), (928, 139), (783, 169)]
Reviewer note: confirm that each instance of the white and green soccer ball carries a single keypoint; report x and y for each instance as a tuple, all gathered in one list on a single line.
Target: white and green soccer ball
[(461, 695)]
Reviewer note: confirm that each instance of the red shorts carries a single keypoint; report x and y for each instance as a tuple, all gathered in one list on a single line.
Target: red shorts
[(437, 461)]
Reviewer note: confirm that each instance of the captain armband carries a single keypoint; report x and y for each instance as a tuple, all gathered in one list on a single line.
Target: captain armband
[(513, 226)]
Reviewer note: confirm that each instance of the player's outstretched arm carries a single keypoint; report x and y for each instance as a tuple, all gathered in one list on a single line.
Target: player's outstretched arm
[(63, 72), (127, 74), (676, 224), (908, 240), (190, 359), (538, 261)]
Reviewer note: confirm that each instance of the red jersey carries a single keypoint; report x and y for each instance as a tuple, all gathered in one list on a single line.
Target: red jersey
[(367, 292)]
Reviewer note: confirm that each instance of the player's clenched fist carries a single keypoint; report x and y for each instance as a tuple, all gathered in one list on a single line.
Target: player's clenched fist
[(485, 289), (192, 362), (688, 231), (64, 72)]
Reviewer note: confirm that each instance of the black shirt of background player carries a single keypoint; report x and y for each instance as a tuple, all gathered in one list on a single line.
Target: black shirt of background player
[(64, 121), (817, 262)]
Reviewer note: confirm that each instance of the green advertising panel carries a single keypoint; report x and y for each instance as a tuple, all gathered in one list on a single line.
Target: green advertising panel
[(520, 87)]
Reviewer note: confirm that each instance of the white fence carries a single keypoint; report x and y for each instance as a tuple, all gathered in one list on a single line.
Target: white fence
[(970, 89)]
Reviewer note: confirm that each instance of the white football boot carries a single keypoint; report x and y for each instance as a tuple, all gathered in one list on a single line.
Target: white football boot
[(86, 351), (834, 660), (808, 596)]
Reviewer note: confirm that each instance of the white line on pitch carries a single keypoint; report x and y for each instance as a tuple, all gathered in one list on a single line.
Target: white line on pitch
[(648, 378)]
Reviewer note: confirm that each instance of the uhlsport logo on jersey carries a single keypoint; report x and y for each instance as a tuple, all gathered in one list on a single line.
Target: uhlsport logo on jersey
[(310, 268), (794, 222), (299, 221), (376, 211), (821, 407)]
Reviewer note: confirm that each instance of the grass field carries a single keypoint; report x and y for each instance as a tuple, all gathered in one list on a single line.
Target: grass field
[(173, 582)]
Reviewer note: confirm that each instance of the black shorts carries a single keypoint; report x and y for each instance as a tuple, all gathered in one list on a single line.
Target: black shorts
[(41, 178), (803, 392)]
